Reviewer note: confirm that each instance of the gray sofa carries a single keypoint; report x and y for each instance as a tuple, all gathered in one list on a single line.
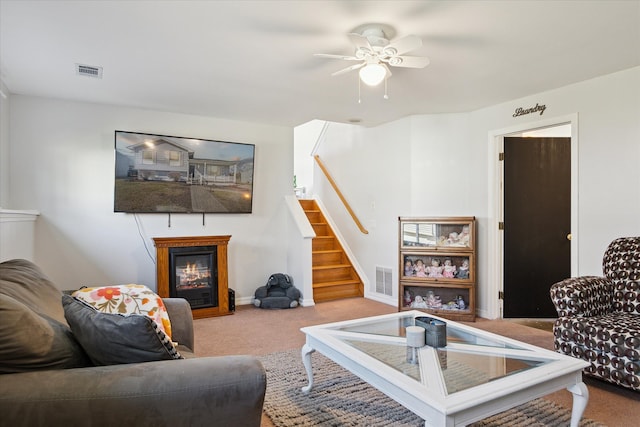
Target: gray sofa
[(46, 379)]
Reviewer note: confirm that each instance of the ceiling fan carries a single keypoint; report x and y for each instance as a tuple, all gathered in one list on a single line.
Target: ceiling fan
[(375, 52)]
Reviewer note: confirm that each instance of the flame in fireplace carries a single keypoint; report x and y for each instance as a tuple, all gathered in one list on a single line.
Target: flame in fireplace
[(190, 270), (193, 275)]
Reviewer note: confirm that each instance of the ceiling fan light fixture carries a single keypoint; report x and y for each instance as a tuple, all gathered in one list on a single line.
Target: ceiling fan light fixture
[(372, 74)]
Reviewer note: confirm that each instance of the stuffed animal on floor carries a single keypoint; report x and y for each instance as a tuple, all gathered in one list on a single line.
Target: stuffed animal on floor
[(279, 292)]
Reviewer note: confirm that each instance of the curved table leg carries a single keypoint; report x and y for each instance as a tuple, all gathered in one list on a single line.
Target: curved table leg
[(580, 400), (306, 360)]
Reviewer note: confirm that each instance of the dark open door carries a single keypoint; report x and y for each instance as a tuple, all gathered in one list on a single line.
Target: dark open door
[(537, 222)]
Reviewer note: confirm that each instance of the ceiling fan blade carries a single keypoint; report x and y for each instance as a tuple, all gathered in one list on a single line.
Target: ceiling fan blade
[(409, 61), (360, 41), (404, 44), (346, 70), (331, 56)]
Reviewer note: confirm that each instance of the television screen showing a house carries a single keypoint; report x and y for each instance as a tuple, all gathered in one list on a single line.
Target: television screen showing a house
[(169, 174)]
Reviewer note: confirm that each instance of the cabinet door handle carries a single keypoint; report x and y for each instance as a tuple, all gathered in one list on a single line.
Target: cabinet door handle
[(569, 236)]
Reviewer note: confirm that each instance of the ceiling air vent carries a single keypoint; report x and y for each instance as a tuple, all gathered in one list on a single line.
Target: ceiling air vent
[(89, 71)]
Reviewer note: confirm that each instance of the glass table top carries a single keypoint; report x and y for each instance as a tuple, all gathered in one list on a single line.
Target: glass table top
[(470, 357), (396, 328)]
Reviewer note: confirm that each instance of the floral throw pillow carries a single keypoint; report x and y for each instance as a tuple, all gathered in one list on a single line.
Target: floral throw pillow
[(126, 300)]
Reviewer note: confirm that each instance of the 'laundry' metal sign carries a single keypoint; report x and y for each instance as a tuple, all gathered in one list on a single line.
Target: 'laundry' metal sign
[(523, 111)]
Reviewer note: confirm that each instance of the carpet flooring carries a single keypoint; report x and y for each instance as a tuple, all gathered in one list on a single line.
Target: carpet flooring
[(259, 332), (339, 398)]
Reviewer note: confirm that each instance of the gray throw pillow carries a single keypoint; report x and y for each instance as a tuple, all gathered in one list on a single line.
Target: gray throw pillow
[(31, 341), (112, 339)]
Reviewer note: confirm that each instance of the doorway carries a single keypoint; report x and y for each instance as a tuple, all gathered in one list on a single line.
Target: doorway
[(537, 223), (561, 126)]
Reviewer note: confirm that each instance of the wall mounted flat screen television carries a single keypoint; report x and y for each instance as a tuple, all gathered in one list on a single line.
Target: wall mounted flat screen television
[(171, 174)]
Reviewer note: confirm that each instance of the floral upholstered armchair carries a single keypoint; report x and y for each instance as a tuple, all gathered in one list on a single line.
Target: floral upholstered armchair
[(599, 317)]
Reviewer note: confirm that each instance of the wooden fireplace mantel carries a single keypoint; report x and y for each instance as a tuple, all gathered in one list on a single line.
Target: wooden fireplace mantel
[(163, 244)]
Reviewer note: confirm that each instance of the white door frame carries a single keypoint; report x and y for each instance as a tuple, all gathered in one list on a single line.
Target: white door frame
[(496, 208)]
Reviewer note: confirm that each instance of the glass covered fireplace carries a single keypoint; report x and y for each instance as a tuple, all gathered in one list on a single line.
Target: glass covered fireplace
[(193, 275), (194, 268)]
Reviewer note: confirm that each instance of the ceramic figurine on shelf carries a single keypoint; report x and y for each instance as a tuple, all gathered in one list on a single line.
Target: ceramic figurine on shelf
[(407, 298), (435, 270), (463, 237), (432, 300), (453, 239), (420, 268), (408, 269), (463, 271), (451, 305), (448, 270), (419, 302), (461, 304)]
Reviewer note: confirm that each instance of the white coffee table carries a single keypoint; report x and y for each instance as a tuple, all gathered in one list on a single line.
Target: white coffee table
[(477, 374)]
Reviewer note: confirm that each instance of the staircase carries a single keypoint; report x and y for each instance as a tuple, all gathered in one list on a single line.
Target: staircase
[(333, 274)]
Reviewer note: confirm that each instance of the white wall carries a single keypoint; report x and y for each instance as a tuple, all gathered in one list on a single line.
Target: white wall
[(440, 165), (62, 164), (372, 169), (443, 170), (4, 145), (305, 137), (608, 110)]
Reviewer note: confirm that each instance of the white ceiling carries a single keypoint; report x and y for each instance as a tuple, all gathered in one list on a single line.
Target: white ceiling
[(253, 60)]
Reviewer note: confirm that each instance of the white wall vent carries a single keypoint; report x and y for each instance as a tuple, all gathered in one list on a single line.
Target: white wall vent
[(89, 71), (384, 283)]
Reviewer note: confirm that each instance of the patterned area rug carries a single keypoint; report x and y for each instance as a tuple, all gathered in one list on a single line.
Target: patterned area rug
[(339, 398)]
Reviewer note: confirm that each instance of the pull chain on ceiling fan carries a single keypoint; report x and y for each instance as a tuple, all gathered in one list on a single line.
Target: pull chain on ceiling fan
[(386, 96), (375, 53)]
